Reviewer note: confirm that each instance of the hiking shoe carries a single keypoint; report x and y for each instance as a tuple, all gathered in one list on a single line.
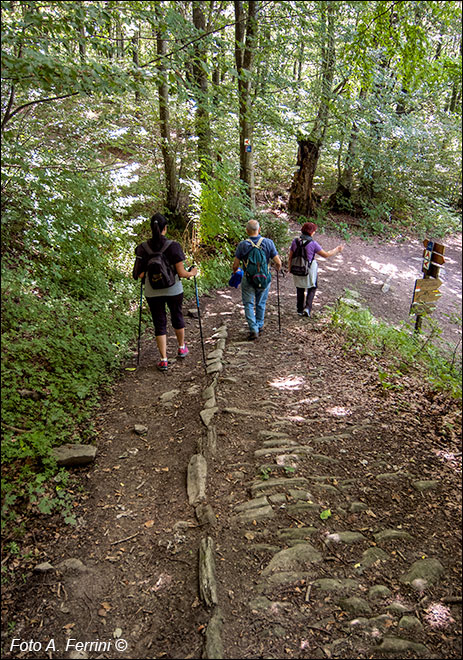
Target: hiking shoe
[(261, 330), (253, 336), (183, 352), (162, 365), (306, 312), (299, 313)]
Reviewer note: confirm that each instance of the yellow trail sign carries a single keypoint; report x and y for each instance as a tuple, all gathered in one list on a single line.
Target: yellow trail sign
[(425, 295), (428, 284), (421, 308)]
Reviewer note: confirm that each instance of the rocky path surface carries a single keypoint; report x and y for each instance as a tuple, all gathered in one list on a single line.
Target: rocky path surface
[(327, 512), (278, 503)]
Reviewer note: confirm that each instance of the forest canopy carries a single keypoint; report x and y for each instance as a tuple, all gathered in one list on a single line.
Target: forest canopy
[(114, 110)]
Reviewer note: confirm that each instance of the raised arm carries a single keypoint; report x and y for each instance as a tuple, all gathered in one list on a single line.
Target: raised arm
[(331, 253)]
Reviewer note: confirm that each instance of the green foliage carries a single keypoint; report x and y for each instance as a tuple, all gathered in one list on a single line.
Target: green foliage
[(265, 473), (214, 273), (275, 229), (402, 349), (67, 322), (219, 209)]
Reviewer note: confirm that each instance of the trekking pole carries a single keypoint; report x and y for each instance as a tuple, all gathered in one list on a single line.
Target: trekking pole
[(139, 321), (278, 301), (199, 319)]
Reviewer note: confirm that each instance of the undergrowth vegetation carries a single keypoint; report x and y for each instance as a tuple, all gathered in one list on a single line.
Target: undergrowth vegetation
[(400, 348), (67, 321)]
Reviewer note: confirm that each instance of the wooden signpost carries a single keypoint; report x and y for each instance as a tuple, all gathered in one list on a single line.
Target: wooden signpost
[(426, 291)]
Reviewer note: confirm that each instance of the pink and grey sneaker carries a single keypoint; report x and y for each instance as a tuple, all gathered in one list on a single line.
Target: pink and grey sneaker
[(162, 365), (183, 352)]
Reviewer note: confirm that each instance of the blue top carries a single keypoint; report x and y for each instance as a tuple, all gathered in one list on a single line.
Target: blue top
[(244, 247)]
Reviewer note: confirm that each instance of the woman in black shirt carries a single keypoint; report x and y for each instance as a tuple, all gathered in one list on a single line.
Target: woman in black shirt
[(172, 295)]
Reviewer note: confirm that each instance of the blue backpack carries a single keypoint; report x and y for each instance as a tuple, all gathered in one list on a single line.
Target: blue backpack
[(256, 266)]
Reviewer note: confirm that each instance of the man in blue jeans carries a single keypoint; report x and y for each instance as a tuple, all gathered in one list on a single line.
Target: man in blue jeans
[(254, 300)]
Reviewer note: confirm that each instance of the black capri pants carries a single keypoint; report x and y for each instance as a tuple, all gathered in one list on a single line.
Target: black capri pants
[(157, 307)]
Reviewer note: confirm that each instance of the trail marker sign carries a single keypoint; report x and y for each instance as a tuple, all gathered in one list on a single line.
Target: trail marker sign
[(425, 295), (426, 291), (433, 258), (427, 256)]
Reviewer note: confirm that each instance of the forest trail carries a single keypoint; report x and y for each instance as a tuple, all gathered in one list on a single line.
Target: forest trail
[(288, 428)]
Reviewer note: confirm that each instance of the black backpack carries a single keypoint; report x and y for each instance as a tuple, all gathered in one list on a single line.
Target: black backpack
[(159, 271), (300, 264)]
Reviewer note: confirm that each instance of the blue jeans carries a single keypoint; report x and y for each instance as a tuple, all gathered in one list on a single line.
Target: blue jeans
[(254, 302)]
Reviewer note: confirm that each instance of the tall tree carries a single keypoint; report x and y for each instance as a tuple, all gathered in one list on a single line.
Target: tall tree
[(202, 118), (168, 153), (245, 41), (301, 196)]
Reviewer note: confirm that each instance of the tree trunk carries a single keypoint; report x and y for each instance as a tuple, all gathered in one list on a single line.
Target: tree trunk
[(244, 55), (135, 59), (302, 199), (202, 120), (171, 178), (82, 53), (340, 199), (119, 39)]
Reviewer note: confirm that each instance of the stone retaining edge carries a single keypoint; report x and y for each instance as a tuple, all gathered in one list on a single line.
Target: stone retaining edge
[(197, 494)]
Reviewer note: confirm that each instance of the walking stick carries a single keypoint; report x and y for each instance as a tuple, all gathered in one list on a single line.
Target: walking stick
[(200, 327), (278, 301), (139, 321)]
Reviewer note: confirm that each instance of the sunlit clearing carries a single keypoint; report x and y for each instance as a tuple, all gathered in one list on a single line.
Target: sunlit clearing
[(387, 269), (289, 383), (438, 616), (338, 411)]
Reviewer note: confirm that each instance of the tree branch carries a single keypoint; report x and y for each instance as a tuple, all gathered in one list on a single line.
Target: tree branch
[(9, 116)]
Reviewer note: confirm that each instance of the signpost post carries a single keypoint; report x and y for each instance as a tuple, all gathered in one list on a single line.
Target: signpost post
[(426, 291)]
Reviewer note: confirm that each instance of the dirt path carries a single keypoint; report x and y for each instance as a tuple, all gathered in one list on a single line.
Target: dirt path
[(384, 275), (299, 427)]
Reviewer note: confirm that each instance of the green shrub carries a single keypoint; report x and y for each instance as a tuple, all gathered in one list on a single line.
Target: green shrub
[(275, 229), (402, 348), (219, 209), (67, 321)]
